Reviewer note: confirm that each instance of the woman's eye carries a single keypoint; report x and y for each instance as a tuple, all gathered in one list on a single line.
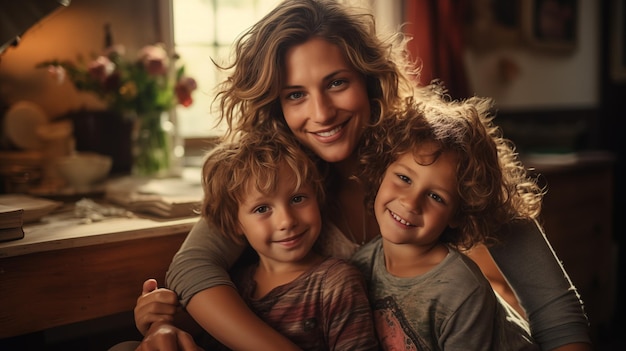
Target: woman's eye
[(261, 209), (295, 95), (297, 199), (337, 82)]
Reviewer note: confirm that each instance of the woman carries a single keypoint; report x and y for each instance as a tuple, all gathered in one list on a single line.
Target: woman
[(318, 69)]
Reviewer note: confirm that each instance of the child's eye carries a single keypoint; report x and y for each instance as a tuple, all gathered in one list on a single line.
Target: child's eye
[(261, 209), (404, 178), (297, 199), (436, 198)]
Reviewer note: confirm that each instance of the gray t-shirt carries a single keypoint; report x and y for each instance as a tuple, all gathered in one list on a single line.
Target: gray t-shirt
[(450, 307)]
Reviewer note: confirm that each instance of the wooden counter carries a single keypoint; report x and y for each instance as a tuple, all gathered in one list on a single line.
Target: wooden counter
[(65, 271)]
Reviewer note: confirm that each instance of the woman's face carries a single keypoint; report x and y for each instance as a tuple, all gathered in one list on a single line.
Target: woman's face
[(324, 99)]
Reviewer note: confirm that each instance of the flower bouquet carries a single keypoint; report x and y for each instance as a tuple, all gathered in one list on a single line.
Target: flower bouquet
[(142, 89)]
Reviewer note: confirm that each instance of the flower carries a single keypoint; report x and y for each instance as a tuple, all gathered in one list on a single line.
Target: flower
[(145, 84)]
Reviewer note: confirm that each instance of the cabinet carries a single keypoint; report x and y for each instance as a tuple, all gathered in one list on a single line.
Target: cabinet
[(577, 215), (63, 272)]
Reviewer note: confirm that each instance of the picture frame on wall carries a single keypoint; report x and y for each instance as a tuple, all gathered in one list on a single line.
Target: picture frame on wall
[(618, 41), (550, 24), (493, 24)]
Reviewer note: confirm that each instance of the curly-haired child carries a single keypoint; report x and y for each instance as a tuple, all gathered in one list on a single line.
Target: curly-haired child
[(442, 179)]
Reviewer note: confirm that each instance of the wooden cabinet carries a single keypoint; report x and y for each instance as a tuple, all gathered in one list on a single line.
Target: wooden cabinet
[(63, 272), (577, 216)]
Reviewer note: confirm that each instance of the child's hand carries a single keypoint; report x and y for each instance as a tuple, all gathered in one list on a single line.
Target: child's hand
[(166, 337), (154, 305)]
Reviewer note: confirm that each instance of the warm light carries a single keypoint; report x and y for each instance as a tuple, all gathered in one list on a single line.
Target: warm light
[(16, 17)]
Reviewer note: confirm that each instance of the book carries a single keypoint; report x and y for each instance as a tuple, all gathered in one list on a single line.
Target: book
[(15, 233), (164, 198), (11, 216), (33, 207)]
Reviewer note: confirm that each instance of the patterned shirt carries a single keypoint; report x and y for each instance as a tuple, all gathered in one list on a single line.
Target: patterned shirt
[(325, 308)]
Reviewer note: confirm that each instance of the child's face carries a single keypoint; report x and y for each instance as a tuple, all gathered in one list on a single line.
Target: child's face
[(283, 226), (416, 202)]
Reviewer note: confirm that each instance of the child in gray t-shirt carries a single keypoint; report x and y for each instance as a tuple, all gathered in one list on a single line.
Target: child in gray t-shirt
[(442, 179)]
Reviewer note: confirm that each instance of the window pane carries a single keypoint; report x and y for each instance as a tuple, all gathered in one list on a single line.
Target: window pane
[(196, 120), (193, 22), (205, 30)]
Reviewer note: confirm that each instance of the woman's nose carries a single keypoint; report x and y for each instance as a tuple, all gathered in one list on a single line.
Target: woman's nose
[(323, 110)]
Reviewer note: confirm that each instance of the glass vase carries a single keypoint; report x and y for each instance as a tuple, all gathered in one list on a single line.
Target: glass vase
[(152, 145)]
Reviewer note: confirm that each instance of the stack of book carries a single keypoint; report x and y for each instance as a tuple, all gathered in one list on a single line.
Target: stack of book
[(16, 210), (11, 221), (164, 198)]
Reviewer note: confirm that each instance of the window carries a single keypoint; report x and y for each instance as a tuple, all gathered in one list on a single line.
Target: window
[(203, 31)]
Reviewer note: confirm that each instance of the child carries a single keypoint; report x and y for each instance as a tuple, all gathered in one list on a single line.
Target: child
[(441, 179), (265, 190)]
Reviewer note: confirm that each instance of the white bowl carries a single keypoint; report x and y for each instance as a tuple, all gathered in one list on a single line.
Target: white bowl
[(82, 169)]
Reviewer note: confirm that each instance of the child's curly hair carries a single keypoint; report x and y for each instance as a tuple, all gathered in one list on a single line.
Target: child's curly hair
[(253, 159), (493, 185)]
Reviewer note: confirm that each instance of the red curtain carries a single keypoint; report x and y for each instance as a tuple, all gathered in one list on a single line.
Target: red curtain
[(437, 30)]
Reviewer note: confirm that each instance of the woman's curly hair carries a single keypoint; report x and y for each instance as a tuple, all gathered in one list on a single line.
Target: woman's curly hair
[(493, 185), (249, 97)]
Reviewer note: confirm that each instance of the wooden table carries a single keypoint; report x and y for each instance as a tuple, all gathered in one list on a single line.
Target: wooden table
[(65, 271)]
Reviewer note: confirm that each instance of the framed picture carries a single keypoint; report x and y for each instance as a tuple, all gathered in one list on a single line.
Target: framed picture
[(493, 24), (550, 24), (618, 41)]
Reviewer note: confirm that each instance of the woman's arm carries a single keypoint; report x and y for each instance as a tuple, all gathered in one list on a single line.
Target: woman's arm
[(542, 286), (202, 262), (199, 275), (222, 312)]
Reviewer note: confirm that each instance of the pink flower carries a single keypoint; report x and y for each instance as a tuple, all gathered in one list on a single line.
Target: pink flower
[(101, 68), (154, 59), (183, 90)]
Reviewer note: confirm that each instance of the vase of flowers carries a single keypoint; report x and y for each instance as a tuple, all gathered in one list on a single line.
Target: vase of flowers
[(144, 89)]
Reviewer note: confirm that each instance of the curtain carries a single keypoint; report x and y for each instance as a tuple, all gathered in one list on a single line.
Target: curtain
[(437, 30)]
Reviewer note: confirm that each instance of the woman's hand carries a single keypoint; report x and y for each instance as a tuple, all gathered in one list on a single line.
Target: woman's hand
[(166, 337), (154, 305)]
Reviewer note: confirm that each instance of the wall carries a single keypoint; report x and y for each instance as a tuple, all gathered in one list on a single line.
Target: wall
[(547, 79), (75, 30)]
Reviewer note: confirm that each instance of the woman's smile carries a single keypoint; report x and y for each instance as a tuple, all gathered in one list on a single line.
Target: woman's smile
[(325, 136)]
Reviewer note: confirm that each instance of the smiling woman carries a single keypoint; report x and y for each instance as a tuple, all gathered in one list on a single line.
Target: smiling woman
[(203, 32)]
